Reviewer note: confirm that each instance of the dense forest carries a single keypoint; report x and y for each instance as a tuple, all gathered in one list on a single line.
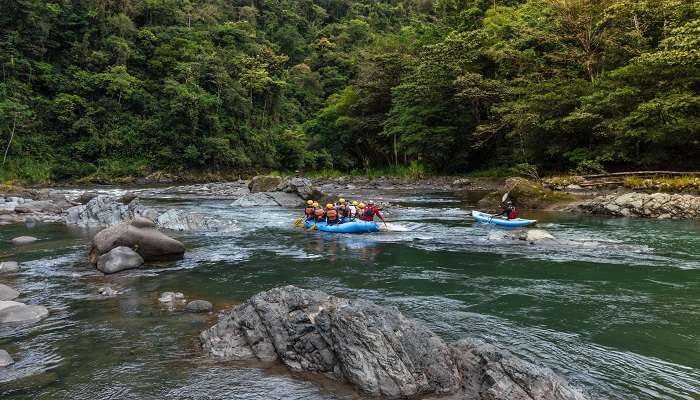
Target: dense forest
[(110, 88)]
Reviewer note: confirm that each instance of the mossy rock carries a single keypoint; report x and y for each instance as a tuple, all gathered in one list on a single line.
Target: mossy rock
[(525, 194), (264, 183)]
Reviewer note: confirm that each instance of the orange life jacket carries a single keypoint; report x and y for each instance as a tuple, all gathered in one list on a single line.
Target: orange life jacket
[(332, 215)]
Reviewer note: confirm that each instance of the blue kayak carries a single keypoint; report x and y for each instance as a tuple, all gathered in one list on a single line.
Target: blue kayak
[(510, 223), (345, 227)]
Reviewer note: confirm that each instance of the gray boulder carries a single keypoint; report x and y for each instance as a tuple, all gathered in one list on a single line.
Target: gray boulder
[(5, 359), (376, 349), (300, 186), (12, 312), (22, 240), (119, 259), (149, 243), (264, 183), (7, 293), (178, 220), (9, 266), (199, 306), (102, 211)]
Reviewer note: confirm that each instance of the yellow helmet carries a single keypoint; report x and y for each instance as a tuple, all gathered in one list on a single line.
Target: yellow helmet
[(309, 202), (329, 206), (316, 204), (362, 205), (354, 202), (341, 201)]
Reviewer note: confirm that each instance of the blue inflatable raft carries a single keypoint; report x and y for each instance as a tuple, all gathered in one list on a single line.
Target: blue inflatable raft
[(345, 227), (509, 223)]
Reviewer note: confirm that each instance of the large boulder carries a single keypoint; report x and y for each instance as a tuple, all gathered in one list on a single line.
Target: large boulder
[(9, 266), (264, 183), (22, 240), (119, 259), (376, 349), (7, 293), (102, 211), (525, 194), (12, 312), (300, 186), (645, 205), (149, 243)]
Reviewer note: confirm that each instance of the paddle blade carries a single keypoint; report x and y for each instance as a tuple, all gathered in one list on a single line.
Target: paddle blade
[(297, 222), (505, 197)]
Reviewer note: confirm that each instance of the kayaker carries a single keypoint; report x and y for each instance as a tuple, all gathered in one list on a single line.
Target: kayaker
[(332, 215), (319, 213), (309, 210), (509, 211), (370, 212)]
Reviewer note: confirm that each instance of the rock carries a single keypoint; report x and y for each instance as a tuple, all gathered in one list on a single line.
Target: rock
[(14, 312), (264, 183), (127, 198), (300, 186), (461, 182), (149, 243), (376, 349), (171, 297), (9, 266), (21, 240), (7, 293), (199, 306), (178, 220), (656, 205), (107, 291), (5, 359), (142, 222), (535, 235), (119, 259), (102, 211), (86, 197), (574, 187), (525, 194), (269, 199), (491, 373)]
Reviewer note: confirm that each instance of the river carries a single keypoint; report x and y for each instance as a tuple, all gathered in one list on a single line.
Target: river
[(612, 304)]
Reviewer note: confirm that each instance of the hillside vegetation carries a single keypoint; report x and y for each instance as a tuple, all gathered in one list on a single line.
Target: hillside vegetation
[(110, 88)]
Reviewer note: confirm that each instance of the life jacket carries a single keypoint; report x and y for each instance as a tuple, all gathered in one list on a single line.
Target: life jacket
[(332, 215), (367, 214), (309, 211), (342, 210), (513, 214), (319, 213)]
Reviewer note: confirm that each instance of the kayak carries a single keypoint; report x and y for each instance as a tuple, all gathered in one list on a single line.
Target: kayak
[(510, 223), (345, 227)]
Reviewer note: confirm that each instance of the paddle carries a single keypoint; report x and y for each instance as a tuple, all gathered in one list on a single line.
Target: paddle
[(297, 222)]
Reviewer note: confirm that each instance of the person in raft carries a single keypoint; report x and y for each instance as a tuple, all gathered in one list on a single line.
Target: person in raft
[(332, 215), (370, 211), (309, 210), (509, 211), (319, 212)]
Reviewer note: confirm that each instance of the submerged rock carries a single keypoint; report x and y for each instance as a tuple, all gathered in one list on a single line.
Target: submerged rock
[(374, 348), (171, 297), (15, 312), (8, 293), (119, 259), (107, 291), (199, 306), (149, 243), (22, 240), (9, 266), (536, 235), (5, 359)]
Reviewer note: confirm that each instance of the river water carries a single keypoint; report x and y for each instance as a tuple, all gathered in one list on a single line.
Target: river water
[(612, 304)]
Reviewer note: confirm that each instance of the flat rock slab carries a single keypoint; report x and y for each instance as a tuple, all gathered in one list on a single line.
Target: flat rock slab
[(18, 241), (9, 266), (7, 293), (21, 313), (5, 359)]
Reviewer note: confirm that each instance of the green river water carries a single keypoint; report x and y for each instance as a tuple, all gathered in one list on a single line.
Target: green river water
[(613, 304)]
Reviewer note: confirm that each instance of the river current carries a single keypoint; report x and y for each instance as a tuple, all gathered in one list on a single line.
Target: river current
[(612, 304)]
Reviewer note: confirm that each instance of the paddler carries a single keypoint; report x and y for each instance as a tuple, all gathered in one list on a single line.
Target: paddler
[(309, 210), (319, 213), (370, 211), (508, 211), (352, 210), (342, 209), (332, 215)]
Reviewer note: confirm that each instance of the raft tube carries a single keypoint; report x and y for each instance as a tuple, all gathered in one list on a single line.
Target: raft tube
[(345, 227), (510, 223)]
